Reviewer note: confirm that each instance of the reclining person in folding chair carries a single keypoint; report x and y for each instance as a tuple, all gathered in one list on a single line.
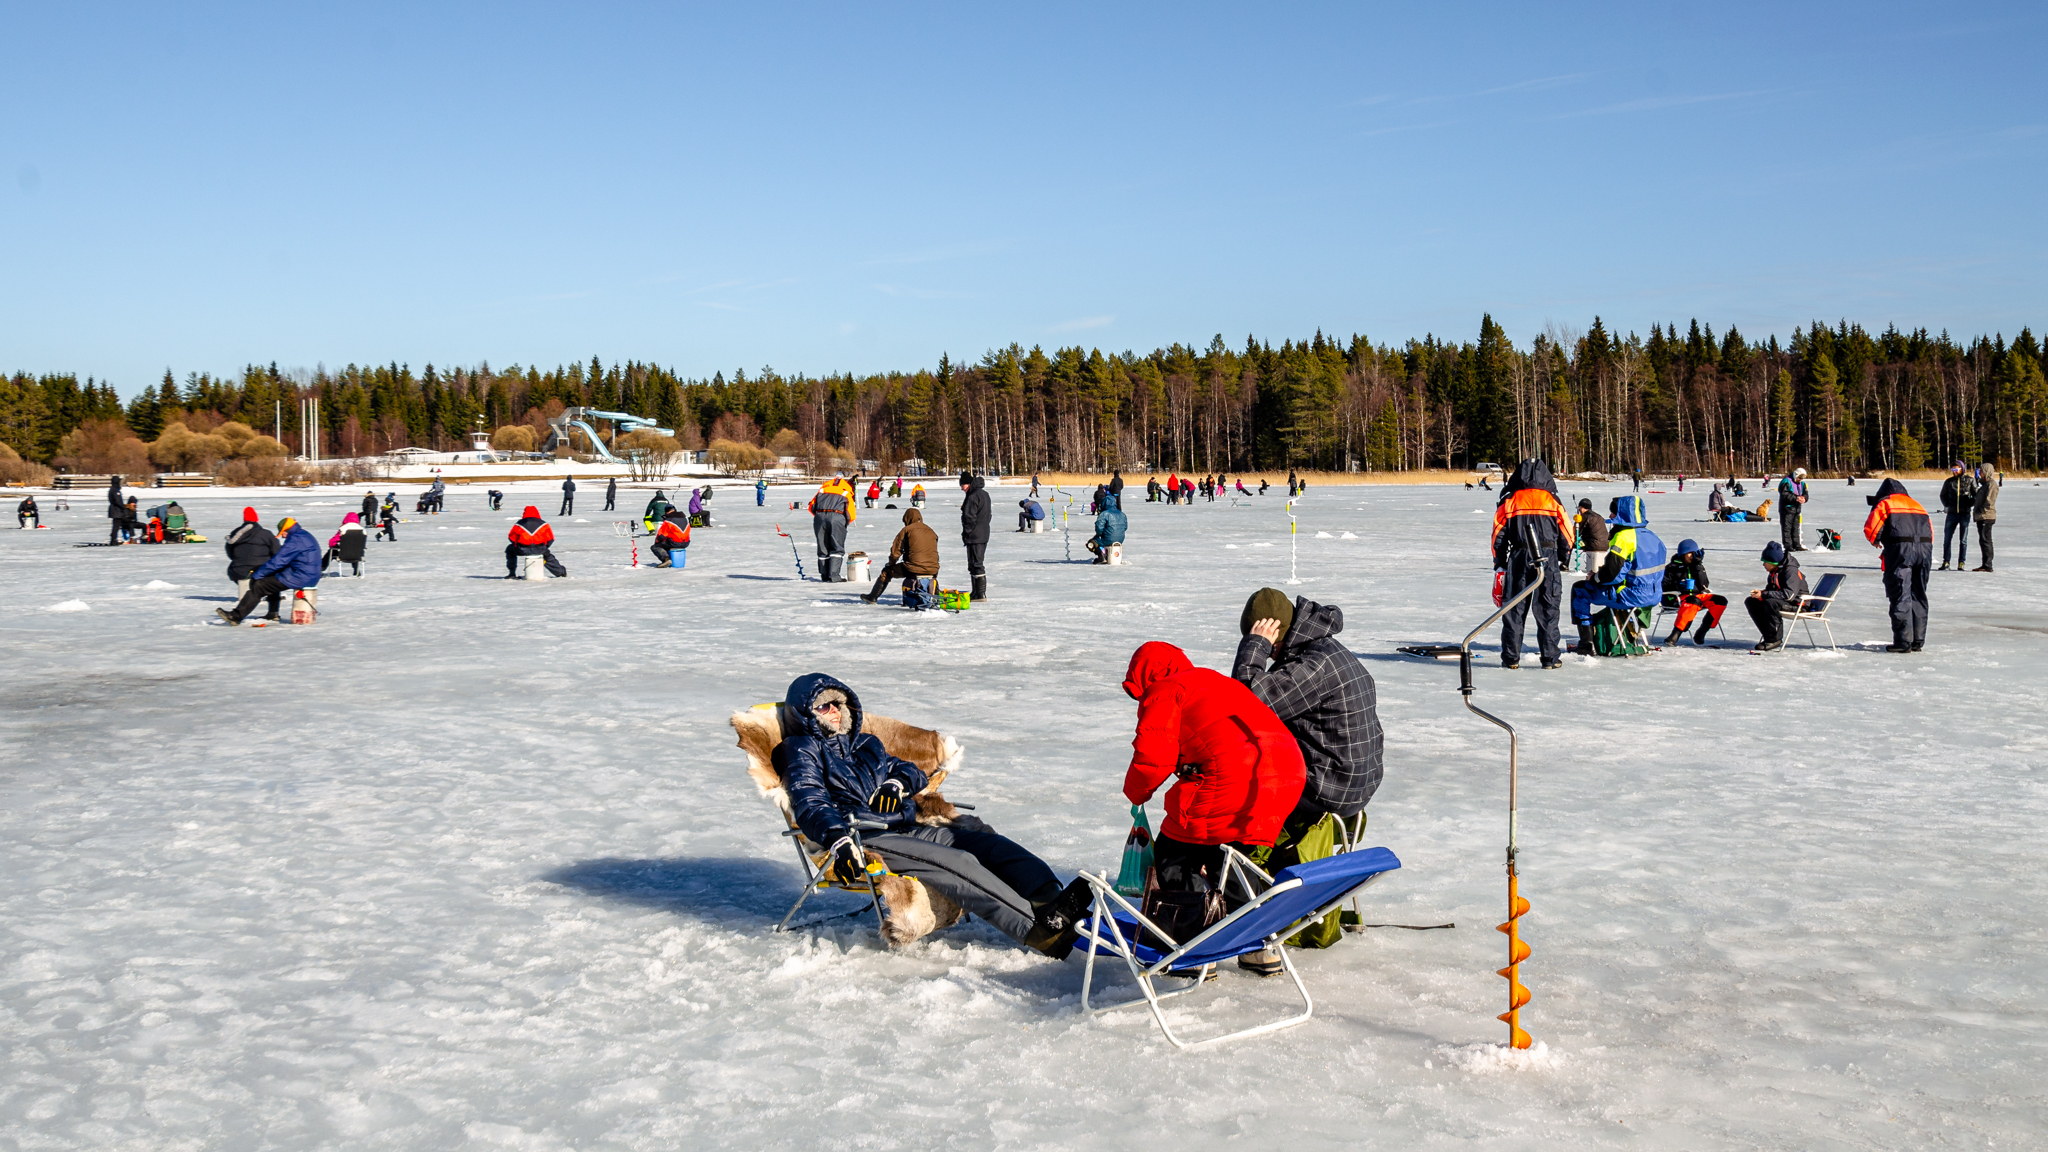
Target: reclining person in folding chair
[(836, 774)]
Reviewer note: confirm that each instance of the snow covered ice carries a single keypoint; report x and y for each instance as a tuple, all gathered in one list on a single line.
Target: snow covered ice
[(474, 863)]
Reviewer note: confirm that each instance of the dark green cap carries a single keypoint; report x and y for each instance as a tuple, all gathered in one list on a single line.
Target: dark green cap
[(1267, 604)]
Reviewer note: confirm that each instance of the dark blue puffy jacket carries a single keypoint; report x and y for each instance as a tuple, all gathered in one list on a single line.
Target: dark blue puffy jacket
[(297, 562), (1110, 525), (831, 777)]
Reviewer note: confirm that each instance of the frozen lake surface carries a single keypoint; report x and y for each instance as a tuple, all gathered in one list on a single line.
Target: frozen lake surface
[(474, 863)]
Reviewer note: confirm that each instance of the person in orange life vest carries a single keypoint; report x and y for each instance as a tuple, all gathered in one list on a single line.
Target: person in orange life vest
[(1530, 535), (1902, 528), (1240, 771), (671, 537), (530, 536)]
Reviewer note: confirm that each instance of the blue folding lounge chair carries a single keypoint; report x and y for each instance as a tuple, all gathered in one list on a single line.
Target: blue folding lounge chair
[(1297, 896)]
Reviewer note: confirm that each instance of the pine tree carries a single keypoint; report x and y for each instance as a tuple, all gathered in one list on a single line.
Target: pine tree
[(1782, 418)]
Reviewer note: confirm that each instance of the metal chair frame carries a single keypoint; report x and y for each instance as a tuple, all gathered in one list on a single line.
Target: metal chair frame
[(1804, 611), (1235, 868)]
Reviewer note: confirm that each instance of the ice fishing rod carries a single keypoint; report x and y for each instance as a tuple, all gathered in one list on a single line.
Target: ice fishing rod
[(793, 553), (1518, 907), (1066, 534)]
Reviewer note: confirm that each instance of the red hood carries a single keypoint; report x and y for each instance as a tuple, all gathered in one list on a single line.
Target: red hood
[(1154, 661), (532, 512)]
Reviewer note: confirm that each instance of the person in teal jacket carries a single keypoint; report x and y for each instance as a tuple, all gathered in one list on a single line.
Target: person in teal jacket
[(1109, 526)]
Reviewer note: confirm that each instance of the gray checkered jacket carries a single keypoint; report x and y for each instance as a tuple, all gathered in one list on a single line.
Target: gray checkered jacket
[(1326, 698)]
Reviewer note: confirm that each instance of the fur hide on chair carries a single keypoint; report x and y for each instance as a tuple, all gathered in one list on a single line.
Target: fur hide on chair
[(911, 910)]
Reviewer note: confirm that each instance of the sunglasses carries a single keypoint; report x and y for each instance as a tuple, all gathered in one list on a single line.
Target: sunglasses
[(827, 706)]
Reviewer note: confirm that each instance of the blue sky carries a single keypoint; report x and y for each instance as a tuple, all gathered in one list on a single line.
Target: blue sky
[(839, 187)]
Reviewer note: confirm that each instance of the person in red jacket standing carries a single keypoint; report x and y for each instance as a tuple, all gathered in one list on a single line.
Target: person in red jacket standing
[(530, 536), (1240, 769)]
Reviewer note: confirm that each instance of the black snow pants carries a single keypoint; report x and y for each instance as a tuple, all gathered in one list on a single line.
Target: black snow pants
[(976, 557), (1984, 542), (1770, 625), (388, 529), (830, 529), (1953, 526), (1521, 573), (990, 876), (271, 588), (514, 551), (1905, 585), (1788, 527), (568, 504)]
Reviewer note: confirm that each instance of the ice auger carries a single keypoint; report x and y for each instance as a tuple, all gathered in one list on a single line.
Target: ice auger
[(1518, 949)]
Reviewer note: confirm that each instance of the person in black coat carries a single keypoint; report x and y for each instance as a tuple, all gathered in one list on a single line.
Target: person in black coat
[(1784, 584), (568, 497), (1530, 537), (1116, 485), (249, 546), (369, 508), (611, 493), (387, 514), (836, 774), (975, 515), (117, 511), (27, 511)]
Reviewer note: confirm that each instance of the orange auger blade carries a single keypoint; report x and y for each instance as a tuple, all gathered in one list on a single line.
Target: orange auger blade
[(1518, 951)]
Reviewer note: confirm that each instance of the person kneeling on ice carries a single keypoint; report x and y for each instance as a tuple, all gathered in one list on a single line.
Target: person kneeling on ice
[(672, 539), (836, 774), (914, 553), (346, 545), (1239, 770), (1784, 584), (530, 536), (1032, 511), (296, 565), (1685, 588), (1110, 525)]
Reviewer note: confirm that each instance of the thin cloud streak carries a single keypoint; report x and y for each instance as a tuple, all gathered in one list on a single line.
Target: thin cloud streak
[(1658, 103)]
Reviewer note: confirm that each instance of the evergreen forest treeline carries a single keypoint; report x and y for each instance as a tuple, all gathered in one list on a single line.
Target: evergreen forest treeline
[(1833, 399)]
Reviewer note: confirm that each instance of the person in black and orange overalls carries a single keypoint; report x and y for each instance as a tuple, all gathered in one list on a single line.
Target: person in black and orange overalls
[(1900, 526), (672, 538), (530, 536), (1530, 535)]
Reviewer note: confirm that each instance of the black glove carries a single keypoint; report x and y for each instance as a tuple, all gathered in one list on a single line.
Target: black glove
[(888, 799), (847, 865)]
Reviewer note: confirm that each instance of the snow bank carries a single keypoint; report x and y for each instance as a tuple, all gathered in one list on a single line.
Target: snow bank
[(71, 606), (155, 586)]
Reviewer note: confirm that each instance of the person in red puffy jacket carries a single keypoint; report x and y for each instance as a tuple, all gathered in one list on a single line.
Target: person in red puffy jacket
[(1240, 769)]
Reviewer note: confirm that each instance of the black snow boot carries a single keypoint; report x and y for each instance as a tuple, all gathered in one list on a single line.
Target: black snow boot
[(1585, 645), (1058, 920), (1699, 637), (228, 616), (980, 591)]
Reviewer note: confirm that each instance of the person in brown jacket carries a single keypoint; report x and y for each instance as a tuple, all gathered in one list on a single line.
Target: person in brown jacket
[(914, 552)]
